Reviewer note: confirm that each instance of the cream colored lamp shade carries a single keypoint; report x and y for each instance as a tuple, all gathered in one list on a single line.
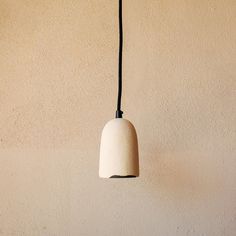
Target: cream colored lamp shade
[(119, 150)]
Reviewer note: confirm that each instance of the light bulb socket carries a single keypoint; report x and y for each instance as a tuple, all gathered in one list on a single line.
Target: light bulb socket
[(119, 114)]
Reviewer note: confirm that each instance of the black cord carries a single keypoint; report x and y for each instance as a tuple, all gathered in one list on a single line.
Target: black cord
[(118, 110)]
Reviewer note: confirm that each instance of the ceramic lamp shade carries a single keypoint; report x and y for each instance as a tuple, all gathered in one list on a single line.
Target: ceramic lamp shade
[(119, 150)]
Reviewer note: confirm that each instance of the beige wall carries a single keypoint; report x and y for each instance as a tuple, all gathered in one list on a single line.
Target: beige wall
[(58, 71)]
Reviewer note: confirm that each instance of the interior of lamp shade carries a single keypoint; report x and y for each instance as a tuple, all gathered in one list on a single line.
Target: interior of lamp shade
[(123, 176)]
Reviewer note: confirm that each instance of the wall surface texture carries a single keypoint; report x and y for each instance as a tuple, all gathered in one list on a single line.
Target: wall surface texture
[(58, 83)]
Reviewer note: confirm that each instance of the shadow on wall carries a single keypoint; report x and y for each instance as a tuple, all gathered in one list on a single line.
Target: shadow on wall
[(182, 175)]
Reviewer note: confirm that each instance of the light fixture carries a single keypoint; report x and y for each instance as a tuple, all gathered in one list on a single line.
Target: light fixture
[(119, 144)]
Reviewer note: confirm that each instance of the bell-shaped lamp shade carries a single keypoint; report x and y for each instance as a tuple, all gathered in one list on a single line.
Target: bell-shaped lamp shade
[(119, 150)]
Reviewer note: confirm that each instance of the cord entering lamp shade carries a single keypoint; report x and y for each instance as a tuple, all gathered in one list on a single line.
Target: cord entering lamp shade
[(119, 144)]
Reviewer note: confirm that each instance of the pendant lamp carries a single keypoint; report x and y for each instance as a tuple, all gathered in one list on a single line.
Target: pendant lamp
[(119, 144)]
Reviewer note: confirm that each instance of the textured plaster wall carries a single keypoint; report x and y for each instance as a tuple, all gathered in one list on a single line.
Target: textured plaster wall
[(58, 71)]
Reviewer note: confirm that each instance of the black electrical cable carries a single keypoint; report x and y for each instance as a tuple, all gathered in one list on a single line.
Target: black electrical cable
[(118, 110)]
